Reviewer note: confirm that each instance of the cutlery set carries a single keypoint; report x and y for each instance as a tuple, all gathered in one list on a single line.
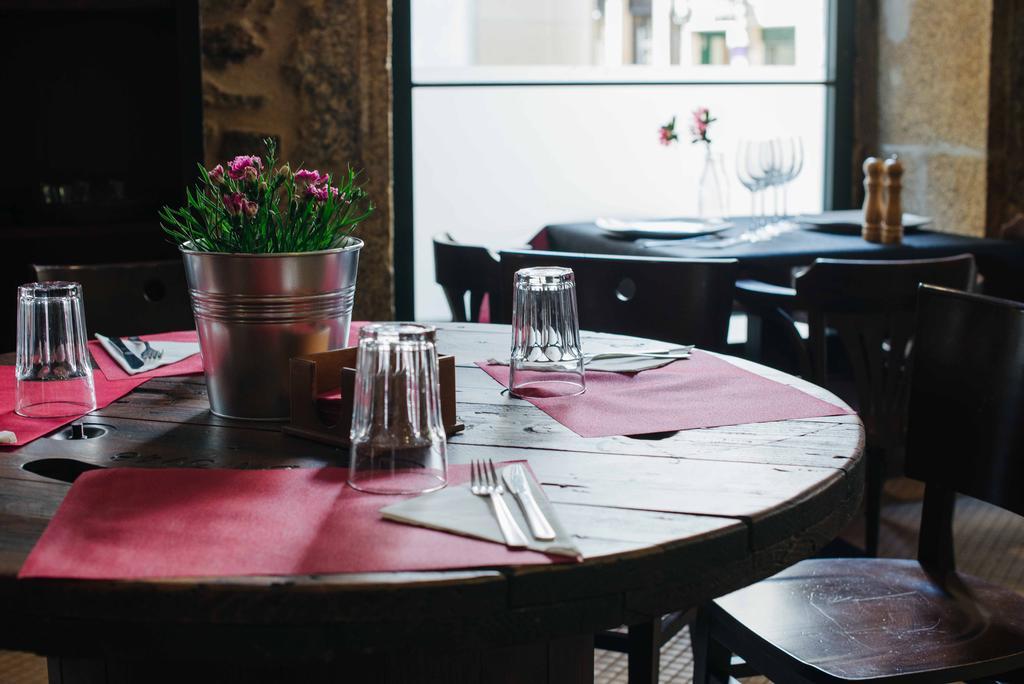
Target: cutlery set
[(672, 353), (484, 481), (135, 361)]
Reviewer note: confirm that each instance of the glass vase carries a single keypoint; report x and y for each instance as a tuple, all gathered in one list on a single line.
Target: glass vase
[(711, 187)]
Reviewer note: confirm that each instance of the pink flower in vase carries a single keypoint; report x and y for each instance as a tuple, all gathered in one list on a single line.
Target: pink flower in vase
[(702, 120), (309, 177), (234, 203), (239, 167), (667, 133), (249, 208), (322, 192)]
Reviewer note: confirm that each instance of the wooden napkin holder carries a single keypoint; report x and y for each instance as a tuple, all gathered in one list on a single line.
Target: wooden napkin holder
[(323, 418)]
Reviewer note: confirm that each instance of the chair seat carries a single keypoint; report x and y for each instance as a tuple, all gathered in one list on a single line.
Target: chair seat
[(875, 619)]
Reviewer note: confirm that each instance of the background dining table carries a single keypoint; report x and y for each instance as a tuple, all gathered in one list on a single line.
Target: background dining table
[(999, 261), (665, 522)]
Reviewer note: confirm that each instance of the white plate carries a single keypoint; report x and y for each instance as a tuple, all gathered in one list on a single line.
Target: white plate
[(660, 229), (852, 219)]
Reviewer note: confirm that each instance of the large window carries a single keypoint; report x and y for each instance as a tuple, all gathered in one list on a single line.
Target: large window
[(532, 112)]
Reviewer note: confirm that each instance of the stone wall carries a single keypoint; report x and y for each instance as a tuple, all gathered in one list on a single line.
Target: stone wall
[(314, 75), (932, 101), (1006, 121)]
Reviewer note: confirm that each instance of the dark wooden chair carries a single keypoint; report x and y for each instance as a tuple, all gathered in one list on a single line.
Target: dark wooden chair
[(459, 269), (129, 298), (882, 620), (869, 306), (684, 301)]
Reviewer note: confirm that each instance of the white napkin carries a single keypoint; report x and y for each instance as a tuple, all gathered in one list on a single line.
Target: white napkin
[(456, 509), (618, 364), (172, 353)]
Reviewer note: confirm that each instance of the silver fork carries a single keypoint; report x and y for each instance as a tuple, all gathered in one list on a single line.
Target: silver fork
[(484, 481), (149, 354)]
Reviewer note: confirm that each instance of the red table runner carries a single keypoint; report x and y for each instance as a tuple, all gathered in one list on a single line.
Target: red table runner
[(28, 429), (131, 523), (702, 391)]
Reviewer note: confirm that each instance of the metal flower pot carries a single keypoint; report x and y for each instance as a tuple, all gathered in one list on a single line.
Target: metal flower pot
[(254, 312)]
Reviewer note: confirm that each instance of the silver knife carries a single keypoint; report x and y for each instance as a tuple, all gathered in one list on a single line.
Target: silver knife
[(515, 478), (133, 360)]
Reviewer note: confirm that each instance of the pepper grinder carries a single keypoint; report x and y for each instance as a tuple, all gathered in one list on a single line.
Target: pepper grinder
[(871, 229), (892, 229)]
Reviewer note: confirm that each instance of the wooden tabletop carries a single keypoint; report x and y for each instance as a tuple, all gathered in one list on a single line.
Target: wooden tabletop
[(665, 523)]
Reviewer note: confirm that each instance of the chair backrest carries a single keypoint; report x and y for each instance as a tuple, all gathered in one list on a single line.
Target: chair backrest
[(129, 298), (871, 306), (459, 269), (685, 301), (966, 412)]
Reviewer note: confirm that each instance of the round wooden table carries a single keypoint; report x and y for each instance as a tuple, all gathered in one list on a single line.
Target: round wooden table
[(665, 524)]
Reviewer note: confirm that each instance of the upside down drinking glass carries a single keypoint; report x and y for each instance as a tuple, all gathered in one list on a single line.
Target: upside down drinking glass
[(547, 357), (398, 438), (53, 367)]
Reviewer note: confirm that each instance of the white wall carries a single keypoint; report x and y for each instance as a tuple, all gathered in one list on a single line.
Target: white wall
[(492, 165)]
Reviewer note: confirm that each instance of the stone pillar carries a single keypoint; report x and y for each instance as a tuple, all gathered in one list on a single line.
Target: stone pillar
[(941, 83), (933, 79), (316, 76), (1005, 207)]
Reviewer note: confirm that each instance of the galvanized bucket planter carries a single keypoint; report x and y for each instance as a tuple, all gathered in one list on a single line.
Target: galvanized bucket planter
[(254, 312)]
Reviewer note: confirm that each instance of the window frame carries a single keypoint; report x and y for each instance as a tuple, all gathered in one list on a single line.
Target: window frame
[(838, 163)]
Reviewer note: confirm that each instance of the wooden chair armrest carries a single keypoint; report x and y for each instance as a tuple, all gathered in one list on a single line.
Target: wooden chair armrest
[(759, 296), (766, 303)]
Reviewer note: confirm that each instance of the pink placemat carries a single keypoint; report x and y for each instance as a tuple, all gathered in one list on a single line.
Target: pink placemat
[(190, 366), (702, 391), (187, 366), (28, 429), (131, 523)]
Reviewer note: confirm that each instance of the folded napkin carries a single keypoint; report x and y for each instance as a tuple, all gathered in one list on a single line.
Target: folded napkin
[(609, 361), (456, 509), (631, 364), (173, 351)]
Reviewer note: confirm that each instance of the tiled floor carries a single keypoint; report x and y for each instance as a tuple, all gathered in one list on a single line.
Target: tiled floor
[(990, 544)]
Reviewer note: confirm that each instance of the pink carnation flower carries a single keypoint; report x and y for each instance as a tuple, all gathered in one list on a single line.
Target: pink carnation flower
[(238, 168), (310, 176), (217, 174), (702, 121), (667, 133), (322, 192), (234, 203), (249, 208)]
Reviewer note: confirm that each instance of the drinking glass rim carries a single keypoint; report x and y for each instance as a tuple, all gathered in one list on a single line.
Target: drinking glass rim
[(398, 332), (544, 276), (50, 290)]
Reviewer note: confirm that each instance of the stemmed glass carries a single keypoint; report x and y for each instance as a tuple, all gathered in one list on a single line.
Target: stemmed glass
[(748, 172), (762, 165), (791, 158)]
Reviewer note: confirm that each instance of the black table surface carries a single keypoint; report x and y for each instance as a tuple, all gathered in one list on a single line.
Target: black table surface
[(1004, 259)]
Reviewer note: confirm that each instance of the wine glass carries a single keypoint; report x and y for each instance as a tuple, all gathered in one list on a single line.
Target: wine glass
[(748, 175)]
